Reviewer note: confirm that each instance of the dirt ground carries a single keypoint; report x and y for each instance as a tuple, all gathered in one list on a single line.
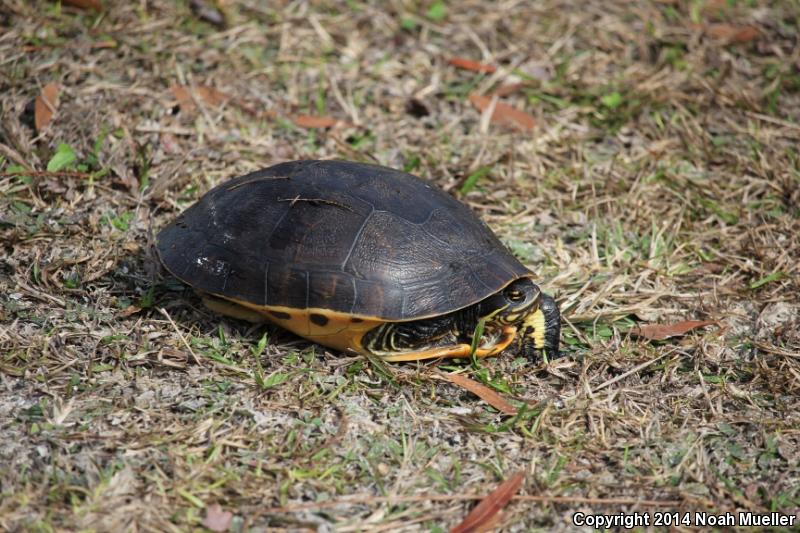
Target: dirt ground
[(649, 175)]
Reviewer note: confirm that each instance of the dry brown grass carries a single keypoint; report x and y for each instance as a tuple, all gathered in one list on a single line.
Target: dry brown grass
[(662, 183)]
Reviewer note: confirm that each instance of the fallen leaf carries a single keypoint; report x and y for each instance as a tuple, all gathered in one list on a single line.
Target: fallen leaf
[(130, 310), (474, 66), (183, 96), (45, 105), (491, 525), (732, 33), (491, 505), (216, 519), (312, 122), (504, 114), (508, 88), (209, 95), (483, 392), (659, 332), (84, 4)]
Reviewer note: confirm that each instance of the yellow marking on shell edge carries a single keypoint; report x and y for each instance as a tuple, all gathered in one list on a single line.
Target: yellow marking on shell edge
[(339, 333), (536, 321)]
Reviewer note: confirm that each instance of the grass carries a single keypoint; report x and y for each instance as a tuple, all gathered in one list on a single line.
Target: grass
[(661, 184)]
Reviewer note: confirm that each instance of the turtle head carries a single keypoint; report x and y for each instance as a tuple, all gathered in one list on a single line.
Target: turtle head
[(540, 333), (534, 314), (511, 306)]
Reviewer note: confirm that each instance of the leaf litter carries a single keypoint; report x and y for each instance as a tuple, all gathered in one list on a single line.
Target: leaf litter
[(502, 113), (45, 106), (482, 391), (485, 512), (468, 64)]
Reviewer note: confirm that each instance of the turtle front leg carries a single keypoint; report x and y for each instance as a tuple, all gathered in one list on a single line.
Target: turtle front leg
[(395, 337), (457, 351)]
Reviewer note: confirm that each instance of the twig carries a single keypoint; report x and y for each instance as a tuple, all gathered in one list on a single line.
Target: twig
[(315, 201), (705, 393), (13, 155), (46, 174), (769, 348), (773, 120), (174, 325), (631, 371), (39, 295)]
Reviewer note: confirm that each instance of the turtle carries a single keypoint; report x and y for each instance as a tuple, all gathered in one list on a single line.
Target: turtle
[(359, 258)]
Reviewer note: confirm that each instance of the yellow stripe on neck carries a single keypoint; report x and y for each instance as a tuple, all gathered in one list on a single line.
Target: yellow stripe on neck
[(535, 322)]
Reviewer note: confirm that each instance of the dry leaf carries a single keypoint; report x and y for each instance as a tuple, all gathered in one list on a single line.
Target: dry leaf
[(312, 122), (504, 114), (209, 95), (474, 66), (216, 519), (491, 525), (45, 105), (130, 310), (491, 504), (484, 393), (182, 95), (732, 33), (84, 4), (508, 88), (659, 332)]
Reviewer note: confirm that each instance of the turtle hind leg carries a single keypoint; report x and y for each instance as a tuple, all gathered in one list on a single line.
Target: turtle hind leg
[(231, 309)]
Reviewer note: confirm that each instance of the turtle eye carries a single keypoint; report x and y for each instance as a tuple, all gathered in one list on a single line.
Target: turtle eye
[(515, 295)]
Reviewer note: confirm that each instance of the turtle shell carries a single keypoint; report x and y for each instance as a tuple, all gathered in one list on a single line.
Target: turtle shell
[(357, 239)]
